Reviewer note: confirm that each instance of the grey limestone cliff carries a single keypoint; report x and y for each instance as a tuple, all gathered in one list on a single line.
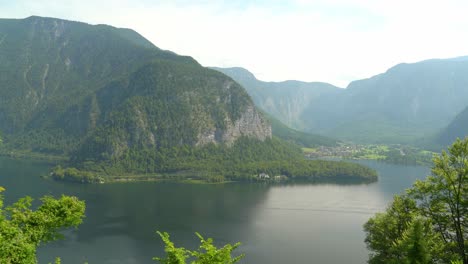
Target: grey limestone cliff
[(250, 124)]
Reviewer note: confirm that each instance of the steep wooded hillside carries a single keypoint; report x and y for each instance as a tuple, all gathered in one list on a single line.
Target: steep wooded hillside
[(407, 102), (402, 105), (118, 106), (458, 128), (66, 85), (286, 101)]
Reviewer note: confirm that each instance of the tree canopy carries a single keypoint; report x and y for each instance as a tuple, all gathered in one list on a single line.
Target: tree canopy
[(428, 223), (207, 253), (22, 229)]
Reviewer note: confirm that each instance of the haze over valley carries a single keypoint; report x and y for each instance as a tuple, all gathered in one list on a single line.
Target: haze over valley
[(120, 138), (407, 103)]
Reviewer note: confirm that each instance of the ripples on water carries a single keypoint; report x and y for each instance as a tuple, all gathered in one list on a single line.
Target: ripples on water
[(276, 224)]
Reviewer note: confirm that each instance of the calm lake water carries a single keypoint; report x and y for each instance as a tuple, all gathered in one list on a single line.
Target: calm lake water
[(276, 224)]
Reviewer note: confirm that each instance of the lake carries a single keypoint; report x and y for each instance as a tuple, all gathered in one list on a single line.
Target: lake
[(303, 223)]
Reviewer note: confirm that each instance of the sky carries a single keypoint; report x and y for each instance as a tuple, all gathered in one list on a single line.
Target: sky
[(334, 41)]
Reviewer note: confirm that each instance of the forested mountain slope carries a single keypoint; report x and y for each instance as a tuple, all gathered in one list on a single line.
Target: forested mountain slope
[(407, 102), (303, 139), (286, 101), (65, 83), (117, 105), (458, 128)]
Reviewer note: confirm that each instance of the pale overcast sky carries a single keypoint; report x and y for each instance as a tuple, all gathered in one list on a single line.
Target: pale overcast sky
[(333, 41)]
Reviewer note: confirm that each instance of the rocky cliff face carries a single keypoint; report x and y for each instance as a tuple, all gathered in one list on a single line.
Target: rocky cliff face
[(250, 124), (407, 102), (96, 92), (142, 131), (286, 100)]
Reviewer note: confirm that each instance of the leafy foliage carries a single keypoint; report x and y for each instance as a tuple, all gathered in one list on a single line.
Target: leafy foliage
[(22, 229), (207, 253), (415, 244), (428, 223), (443, 197), (243, 161), (399, 235)]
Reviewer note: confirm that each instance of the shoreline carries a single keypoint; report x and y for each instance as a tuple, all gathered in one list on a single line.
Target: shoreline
[(186, 177), (194, 180)]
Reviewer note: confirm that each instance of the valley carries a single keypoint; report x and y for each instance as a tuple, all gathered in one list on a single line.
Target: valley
[(110, 104), (408, 104), (156, 141), (140, 112), (121, 218), (394, 154)]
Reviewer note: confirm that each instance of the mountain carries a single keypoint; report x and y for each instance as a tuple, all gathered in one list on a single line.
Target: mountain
[(99, 91), (407, 102), (287, 100), (458, 128), (117, 105), (67, 81), (297, 137), (404, 103)]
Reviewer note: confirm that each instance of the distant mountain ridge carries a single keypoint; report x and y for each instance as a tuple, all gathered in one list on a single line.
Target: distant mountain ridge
[(458, 128), (407, 102), (303, 139), (117, 107), (286, 100)]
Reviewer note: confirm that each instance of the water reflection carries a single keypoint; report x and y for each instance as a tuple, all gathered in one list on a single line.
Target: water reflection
[(294, 223)]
